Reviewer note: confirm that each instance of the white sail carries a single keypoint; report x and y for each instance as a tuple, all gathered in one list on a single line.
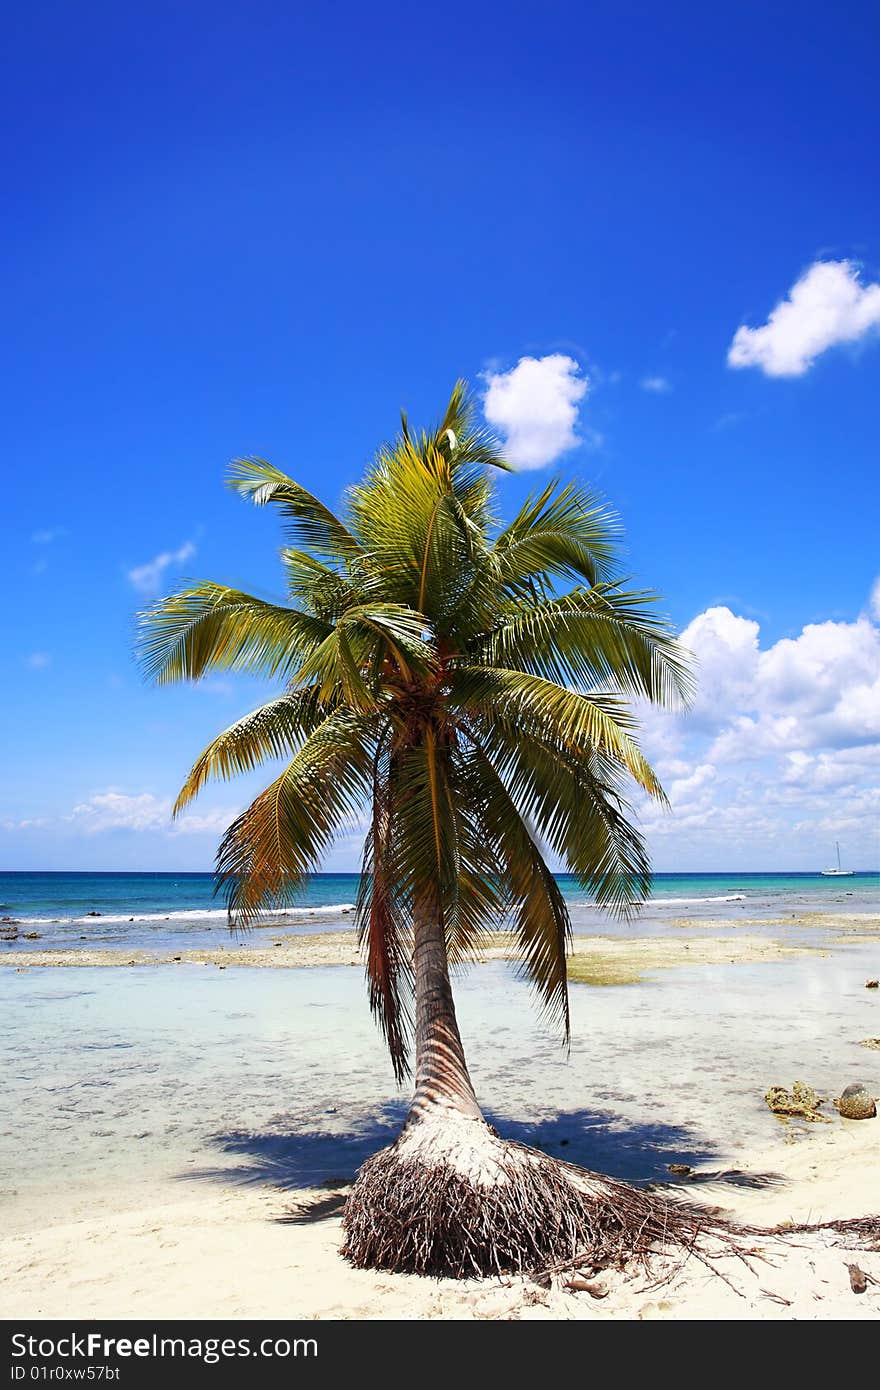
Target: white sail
[(838, 872)]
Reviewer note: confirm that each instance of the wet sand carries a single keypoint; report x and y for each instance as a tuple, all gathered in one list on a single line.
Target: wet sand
[(593, 960)]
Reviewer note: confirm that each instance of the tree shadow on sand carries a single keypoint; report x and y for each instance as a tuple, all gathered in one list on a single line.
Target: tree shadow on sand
[(295, 1157)]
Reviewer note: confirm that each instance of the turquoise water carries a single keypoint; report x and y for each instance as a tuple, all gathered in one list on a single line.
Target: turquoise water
[(164, 909), (30, 897)]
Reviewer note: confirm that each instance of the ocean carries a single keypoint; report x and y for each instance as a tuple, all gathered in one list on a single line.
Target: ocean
[(160, 910)]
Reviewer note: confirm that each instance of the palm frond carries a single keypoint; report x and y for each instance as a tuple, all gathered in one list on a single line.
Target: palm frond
[(272, 731), (538, 912), (600, 637), (383, 921), (363, 638), (208, 627), (578, 808), (268, 852), (309, 522), (560, 533), (318, 588), (581, 722)]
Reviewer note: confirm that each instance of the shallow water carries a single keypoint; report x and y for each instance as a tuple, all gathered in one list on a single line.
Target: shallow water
[(123, 1078)]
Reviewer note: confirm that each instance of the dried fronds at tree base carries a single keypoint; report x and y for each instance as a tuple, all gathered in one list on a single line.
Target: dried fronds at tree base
[(854, 1233), (534, 1213)]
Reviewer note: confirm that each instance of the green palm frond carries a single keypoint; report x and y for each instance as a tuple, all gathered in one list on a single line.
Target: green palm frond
[(423, 506), (272, 731), (538, 912), (208, 627), (352, 656), (581, 722), (578, 808), (309, 522), (600, 637), (562, 533), (318, 588)]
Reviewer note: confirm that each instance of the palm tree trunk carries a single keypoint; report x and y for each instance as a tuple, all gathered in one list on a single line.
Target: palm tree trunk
[(451, 1197), (442, 1080)]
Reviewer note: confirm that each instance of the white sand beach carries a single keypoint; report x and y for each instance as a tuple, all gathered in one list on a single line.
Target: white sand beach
[(229, 1254)]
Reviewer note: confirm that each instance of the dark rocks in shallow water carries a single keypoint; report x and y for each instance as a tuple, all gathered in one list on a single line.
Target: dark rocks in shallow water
[(856, 1103), (801, 1100), (33, 936), (93, 913)]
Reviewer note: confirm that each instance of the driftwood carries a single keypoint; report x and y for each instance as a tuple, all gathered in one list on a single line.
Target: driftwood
[(579, 1283), (856, 1233)]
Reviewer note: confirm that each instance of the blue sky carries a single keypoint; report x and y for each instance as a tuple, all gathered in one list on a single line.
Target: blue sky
[(262, 229)]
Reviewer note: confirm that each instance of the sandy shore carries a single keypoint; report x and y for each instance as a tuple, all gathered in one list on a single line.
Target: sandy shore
[(594, 959), (228, 1253)]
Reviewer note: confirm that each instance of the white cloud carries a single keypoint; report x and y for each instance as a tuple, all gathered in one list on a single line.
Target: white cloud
[(38, 661), (535, 406), (47, 536), (828, 305), (147, 578), (658, 384), (875, 600), (114, 810), (780, 755)]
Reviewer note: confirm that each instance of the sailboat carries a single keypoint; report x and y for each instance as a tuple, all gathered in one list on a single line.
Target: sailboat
[(838, 872)]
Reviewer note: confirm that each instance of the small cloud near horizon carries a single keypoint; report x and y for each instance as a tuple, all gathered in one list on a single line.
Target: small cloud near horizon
[(147, 578), (659, 385), (115, 810), (827, 306), (38, 661), (534, 407)]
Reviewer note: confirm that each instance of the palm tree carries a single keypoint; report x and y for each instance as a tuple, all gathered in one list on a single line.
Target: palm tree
[(470, 686)]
